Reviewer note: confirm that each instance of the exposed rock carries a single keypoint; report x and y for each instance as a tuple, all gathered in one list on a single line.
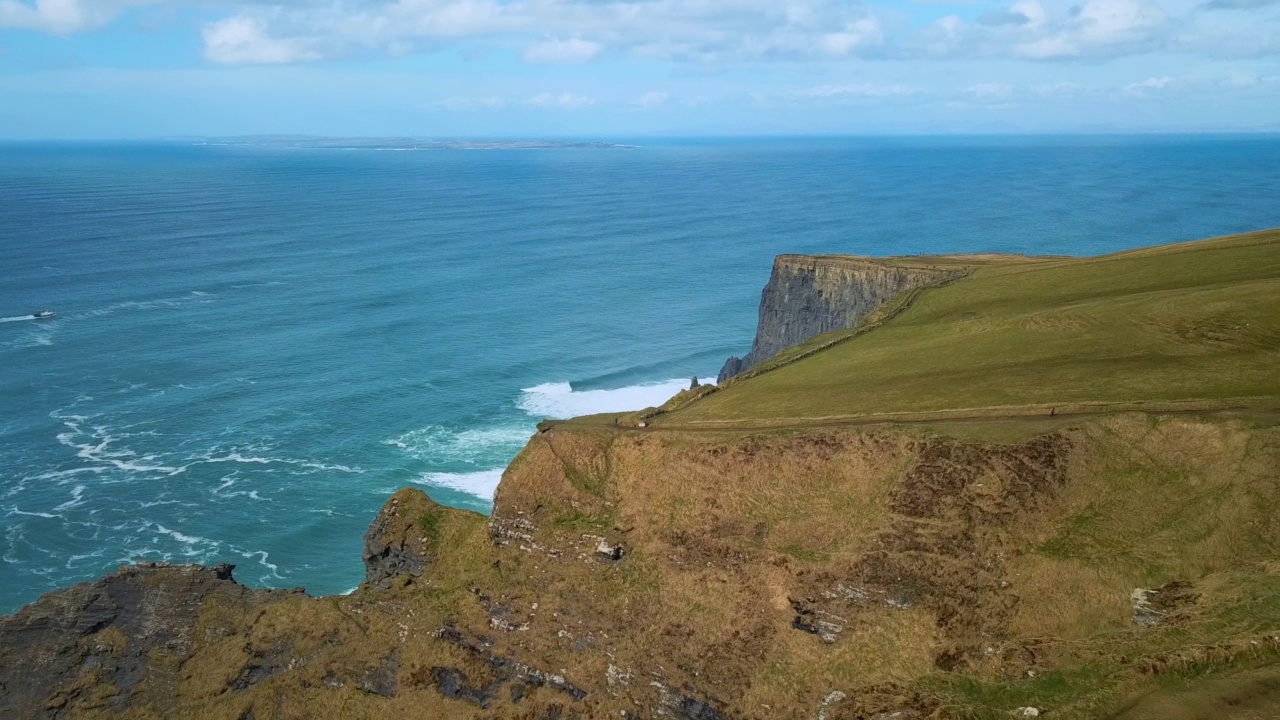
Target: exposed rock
[(92, 645), (1026, 712), (824, 707), (732, 366), (381, 679), (502, 614), (817, 622), (399, 541), (810, 295), (609, 551), (505, 670), (262, 666), (454, 684), (1151, 607), (678, 706)]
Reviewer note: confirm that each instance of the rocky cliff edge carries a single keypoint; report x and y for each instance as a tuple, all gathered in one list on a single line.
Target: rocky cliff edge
[(808, 295)]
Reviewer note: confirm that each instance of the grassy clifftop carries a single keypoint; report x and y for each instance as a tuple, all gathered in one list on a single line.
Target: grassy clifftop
[(892, 528), (1180, 323)]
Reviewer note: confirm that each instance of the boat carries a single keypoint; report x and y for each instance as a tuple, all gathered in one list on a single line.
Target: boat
[(43, 314)]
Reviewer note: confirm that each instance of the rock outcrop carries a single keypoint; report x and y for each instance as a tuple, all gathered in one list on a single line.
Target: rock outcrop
[(118, 644), (808, 295), (398, 542)]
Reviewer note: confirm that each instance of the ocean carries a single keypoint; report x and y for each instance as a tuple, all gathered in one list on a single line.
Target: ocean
[(255, 345)]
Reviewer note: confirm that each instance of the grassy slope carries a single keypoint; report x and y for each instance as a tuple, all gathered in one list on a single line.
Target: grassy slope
[(1172, 326), (1195, 321), (725, 527)]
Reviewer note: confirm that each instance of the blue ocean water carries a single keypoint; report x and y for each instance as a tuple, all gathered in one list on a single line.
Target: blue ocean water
[(254, 346)]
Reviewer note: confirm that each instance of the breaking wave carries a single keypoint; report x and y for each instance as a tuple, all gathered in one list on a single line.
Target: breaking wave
[(439, 444), (560, 400), (482, 484)]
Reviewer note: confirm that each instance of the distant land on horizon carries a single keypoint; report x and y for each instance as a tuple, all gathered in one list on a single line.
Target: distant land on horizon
[(397, 143), (551, 141)]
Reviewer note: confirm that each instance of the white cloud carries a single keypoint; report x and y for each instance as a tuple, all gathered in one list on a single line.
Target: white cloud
[(1030, 30), (1110, 22), (1144, 87), (651, 100), (862, 33), (461, 104), (990, 91), (856, 90), (61, 17), (1058, 90), (575, 31), (556, 51), (563, 101), (1237, 4), (715, 33), (245, 40)]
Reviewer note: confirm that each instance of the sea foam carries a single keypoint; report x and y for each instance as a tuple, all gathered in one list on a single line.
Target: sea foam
[(559, 400), (482, 484), (439, 444)]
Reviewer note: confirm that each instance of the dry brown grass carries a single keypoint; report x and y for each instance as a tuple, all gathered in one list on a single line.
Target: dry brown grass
[(1008, 557)]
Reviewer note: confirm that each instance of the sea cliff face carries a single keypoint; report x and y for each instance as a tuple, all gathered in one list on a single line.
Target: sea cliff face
[(845, 573), (808, 295)]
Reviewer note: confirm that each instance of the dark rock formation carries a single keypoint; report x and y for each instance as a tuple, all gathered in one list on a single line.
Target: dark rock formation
[(808, 295), (91, 646), (1152, 607), (677, 705), (399, 540), (454, 683)]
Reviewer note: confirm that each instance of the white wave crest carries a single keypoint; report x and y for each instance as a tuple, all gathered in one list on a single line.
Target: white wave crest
[(439, 444), (62, 477), (234, 456), (41, 336), (195, 296), (559, 399), (104, 454), (77, 498), (482, 484), (222, 490), (15, 511), (262, 556), (71, 560), (184, 539)]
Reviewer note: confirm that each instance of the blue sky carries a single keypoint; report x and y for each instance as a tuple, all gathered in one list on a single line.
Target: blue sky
[(478, 68)]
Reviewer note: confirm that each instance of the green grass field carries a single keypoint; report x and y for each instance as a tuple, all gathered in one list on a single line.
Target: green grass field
[(1159, 327)]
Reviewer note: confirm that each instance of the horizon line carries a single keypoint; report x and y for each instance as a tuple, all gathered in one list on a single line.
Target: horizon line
[(266, 137)]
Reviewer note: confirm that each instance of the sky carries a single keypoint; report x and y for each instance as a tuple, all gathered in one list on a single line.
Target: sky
[(124, 69)]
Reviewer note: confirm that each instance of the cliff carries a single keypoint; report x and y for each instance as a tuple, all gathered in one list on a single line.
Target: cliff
[(856, 573), (810, 295), (1048, 489)]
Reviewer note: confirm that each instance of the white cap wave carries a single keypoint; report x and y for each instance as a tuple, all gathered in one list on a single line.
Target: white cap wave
[(560, 401), (550, 400)]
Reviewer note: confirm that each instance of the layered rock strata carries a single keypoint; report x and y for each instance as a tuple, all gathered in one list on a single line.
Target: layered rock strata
[(808, 295)]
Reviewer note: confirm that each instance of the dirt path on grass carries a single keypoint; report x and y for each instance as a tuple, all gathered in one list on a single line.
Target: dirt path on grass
[(1048, 415)]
